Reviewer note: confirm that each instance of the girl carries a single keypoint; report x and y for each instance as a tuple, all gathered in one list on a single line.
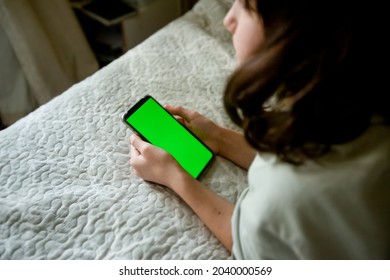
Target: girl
[(309, 97)]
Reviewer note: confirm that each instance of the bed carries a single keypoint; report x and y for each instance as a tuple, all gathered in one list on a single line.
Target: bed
[(67, 190)]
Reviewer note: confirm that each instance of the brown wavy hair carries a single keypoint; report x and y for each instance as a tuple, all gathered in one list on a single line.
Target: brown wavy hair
[(315, 82)]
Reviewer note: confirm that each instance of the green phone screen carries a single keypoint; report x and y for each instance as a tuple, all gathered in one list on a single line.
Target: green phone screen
[(161, 129)]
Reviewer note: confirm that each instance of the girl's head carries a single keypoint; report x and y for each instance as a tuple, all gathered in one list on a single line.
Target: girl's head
[(308, 75)]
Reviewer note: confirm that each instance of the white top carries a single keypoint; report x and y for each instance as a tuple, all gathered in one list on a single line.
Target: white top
[(334, 208)]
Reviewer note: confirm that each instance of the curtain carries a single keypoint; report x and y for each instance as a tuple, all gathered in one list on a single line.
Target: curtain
[(48, 47)]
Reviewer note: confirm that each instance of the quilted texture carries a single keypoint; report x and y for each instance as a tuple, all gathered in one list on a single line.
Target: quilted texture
[(67, 190)]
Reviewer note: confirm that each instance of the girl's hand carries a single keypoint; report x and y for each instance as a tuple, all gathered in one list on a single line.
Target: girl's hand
[(202, 127), (152, 163), (156, 165)]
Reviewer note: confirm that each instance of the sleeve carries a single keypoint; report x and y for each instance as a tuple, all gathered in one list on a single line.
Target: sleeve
[(300, 213)]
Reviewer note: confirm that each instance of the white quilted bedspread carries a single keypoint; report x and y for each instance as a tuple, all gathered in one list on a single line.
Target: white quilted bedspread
[(67, 190)]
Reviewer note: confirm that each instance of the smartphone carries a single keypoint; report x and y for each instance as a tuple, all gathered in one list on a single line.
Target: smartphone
[(157, 126)]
